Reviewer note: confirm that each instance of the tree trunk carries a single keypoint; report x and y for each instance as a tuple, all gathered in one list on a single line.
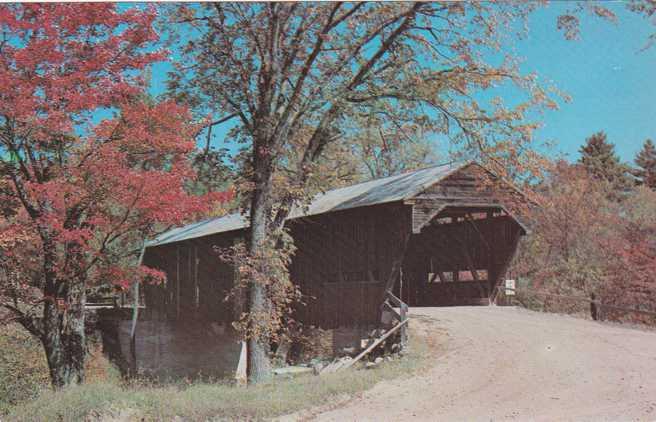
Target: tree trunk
[(64, 340), (258, 351), (593, 307)]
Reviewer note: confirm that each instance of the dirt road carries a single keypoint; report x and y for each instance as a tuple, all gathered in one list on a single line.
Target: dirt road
[(501, 363)]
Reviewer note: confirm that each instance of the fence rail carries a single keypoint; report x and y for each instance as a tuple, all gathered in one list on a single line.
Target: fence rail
[(589, 300)]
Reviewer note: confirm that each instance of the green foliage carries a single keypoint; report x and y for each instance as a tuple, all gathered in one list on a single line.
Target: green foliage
[(646, 162), (379, 148), (269, 268), (205, 401), (213, 172), (599, 159)]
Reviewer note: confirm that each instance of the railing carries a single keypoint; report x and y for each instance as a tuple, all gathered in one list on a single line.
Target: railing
[(113, 301), (595, 304), (401, 316), (103, 302)]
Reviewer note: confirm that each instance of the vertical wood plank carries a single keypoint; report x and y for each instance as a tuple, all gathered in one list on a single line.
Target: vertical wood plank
[(177, 285)]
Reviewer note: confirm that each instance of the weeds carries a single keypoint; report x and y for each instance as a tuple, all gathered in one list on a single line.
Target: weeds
[(210, 401)]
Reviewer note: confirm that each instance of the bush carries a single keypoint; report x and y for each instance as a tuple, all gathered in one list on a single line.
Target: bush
[(23, 367)]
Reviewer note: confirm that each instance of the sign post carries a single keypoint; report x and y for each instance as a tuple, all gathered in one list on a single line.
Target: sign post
[(510, 288)]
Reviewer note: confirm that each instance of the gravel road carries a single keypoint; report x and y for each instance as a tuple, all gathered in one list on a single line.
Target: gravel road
[(502, 363)]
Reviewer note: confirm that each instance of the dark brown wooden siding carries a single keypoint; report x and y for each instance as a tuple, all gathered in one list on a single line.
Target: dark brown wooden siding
[(344, 259), (341, 263), (197, 281)]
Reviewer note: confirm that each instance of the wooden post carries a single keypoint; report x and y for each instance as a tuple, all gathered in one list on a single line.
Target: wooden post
[(510, 253), (401, 282), (403, 316), (241, 373), (400, 325), (404, 328), (135, 316), (177, 283), (196, 288)]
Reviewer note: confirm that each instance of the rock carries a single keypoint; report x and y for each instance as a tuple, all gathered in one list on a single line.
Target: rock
[(370, 365), (292, 370), (349, 351), (378, 360)]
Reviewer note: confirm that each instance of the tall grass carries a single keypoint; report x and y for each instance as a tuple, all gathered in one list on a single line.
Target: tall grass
[(210, 401)]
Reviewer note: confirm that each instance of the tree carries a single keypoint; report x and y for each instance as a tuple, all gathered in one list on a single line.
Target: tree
[(586, 244), (380, 148), (295, 74), (646, 162), (573, 212), (631, 259), (82, 195), (599, 159)]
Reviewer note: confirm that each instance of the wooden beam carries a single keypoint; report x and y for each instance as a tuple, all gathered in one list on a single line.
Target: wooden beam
[(177, 283), (470, 219), (391, 309), (431, 215), (470, 264), (510, 254), (395, 300), (396, 263), (196, 287), (374, 344)]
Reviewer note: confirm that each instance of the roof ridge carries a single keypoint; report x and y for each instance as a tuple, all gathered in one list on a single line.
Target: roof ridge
[(448, 163)]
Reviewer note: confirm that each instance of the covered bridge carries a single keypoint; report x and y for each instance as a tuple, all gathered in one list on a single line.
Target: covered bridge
[(433, 237)]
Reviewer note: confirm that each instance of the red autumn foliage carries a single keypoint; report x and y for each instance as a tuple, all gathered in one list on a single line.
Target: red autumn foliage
[(587, 242), (631, 265), (83, 196)]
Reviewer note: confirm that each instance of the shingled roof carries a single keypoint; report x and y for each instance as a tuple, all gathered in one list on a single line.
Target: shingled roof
[(388, 189)]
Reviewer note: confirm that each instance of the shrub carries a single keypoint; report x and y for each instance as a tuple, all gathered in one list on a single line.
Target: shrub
[(23, 367)]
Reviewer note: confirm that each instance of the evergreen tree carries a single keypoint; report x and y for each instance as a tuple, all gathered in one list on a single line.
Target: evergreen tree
[(599, 159), (646, 162)]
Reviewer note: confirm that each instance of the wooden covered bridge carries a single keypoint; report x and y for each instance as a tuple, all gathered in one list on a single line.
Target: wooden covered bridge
[(437, 236)]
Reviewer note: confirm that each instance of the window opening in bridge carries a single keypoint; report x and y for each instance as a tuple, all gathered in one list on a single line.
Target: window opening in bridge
[(468, 276), (445, 277)]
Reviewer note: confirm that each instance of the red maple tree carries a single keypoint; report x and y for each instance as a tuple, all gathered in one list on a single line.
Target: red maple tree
[(78, 198)]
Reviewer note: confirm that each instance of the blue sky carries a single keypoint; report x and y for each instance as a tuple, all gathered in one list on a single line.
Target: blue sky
[(612, 83)]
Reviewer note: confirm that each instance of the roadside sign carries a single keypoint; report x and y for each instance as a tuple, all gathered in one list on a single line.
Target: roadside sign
[(510, 287)]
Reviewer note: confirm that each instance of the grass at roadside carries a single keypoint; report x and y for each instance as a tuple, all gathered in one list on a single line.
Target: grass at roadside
[(207, 401)]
